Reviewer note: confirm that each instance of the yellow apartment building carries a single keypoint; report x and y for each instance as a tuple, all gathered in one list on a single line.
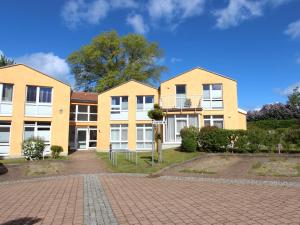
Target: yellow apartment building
[(35, 104)]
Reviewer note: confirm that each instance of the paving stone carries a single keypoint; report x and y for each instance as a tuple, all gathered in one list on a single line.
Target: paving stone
[(97, 209)]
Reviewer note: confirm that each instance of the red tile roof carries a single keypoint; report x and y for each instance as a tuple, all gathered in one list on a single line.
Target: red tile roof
[(84, 97)]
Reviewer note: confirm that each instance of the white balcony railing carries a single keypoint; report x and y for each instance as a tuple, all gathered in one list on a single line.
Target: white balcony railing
[(6, 108), (180, 102)]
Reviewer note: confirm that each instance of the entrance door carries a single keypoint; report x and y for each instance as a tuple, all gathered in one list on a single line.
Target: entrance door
[(82, 138)]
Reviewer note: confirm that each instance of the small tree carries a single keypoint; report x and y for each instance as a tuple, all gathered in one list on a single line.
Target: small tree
[(157, 114), (294, 99), (4, 61)]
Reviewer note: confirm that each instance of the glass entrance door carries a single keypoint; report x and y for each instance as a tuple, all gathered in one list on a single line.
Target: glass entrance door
[(82, 138)]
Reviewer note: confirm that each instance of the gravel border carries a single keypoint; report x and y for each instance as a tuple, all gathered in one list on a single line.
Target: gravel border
[(97, 210), (234, 181)]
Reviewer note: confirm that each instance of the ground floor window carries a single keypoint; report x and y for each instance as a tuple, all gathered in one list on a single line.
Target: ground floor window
[(174, 124), (38, 129), (119, 136), (144, 136), (217, 121), (4, 137)]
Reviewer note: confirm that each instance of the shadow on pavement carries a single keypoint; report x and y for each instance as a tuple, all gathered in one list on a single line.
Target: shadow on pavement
[(3, 169), (23, 221)]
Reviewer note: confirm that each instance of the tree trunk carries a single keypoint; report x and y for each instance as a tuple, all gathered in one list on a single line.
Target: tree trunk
[(159, 144)]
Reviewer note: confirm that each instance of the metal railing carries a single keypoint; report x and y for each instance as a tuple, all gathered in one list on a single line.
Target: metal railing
[(180, 101)]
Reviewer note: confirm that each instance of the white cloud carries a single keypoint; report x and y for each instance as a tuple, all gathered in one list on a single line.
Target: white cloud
[(79, 11), (175, 60), (49, 64), (137, 22), (293, 29), (76, 12), (289, 89), (1, 52), (236, 12), (124, 4), (174, 11)]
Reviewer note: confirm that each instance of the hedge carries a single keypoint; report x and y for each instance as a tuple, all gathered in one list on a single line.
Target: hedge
[(213, 139)]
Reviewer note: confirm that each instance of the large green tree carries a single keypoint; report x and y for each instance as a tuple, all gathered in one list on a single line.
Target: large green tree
[(111, 59), (294, 99), (4, 61)]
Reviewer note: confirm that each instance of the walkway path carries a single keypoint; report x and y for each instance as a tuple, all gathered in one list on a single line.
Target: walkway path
[(123, 199)]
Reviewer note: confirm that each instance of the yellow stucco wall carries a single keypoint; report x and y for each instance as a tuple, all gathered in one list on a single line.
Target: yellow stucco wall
[(130, 89), (20, 76), (194, 79)]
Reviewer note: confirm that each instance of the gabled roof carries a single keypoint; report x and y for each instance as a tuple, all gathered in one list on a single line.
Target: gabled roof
[(84, 97), (20, 64), (200, 68), (128, 82)]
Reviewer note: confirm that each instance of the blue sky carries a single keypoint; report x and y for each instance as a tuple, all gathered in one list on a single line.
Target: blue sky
[(256, 42)]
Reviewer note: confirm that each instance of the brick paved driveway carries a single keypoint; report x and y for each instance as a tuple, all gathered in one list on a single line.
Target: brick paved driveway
[(114, 199)]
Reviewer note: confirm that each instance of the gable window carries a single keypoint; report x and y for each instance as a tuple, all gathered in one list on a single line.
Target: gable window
[(38, 129), (180, 95), (4, 137), (38, 101), (216, 121), (118, 104), (39, 94), (6, 94), (87, 113), (144, 103), (119, 136), (212, 96)]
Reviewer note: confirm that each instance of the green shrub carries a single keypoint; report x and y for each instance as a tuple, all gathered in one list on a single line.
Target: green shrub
[(55, 151), (189, 144), (189, 139), (214, 139), (33, 148)]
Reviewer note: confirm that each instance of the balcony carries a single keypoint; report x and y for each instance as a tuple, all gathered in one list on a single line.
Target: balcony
[(181, 103)]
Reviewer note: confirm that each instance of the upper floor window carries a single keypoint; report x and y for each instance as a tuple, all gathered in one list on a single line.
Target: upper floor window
[(180, 96), (144, 103), (38, 101), (212, 96), (118, 104), (6, 93), (39, 94), (83, 113)]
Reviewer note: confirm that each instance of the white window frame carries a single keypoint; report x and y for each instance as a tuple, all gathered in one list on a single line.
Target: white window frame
[(119, 127), (88, 137), (143, 127), (88, 113), (119, 110), (211, 120), (5, 103), (6, 143), (144, 102), (181, 97), (211, 99), (37, 102), (175, 126)]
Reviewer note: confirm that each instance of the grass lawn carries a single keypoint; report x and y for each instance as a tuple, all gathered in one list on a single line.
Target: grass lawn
[(23, 160), (277, 167), (170, 157)]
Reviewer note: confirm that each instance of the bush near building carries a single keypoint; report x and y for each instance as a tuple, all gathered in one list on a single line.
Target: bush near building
[(256, 140)]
